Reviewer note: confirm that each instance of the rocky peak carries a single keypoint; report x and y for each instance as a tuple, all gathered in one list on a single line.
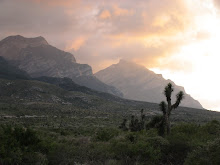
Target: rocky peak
[(137, 82), (130, 69), (126, 63), (130, 65), (17, 47), (38, 58), (22, 42)]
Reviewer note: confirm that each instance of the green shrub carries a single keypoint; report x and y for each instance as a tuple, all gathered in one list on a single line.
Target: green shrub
[(17, 144), (141, 149), (105, 134), (209, 154)]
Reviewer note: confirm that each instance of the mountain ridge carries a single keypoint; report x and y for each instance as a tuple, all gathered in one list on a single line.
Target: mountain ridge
[(38, 58), (139, 83)]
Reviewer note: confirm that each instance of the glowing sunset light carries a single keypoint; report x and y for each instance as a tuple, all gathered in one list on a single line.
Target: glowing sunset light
[(202, 80)]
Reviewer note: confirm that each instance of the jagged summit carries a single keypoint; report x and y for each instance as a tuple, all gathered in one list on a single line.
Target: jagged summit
[(125, 62), (13, 47), (130, 69), (139, 83), (129, 65), (121, 61), (22, 38), (17, 47), (23, 41)]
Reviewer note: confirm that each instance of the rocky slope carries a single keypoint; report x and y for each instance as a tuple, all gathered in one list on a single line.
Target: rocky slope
[(43, 96), (138, 83), (38, 58), (20, 97), (9, 71)]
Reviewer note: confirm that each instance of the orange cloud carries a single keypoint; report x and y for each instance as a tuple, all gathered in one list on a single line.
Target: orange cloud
[(65, 3), (76, 44), (122, 12), (161, 20), (105, 14)]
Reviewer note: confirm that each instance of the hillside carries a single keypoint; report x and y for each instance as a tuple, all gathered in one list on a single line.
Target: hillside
[(9, 71), (138, 83), (31, 95)]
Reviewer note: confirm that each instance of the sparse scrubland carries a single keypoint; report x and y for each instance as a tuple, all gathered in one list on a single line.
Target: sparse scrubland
[(59, 124), (187, 144)]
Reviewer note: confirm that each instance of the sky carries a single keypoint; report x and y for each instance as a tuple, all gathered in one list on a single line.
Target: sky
[(177, 38)]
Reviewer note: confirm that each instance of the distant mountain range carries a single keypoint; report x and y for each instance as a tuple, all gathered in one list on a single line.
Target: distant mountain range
[(138, 83), (25, 95), (38, 58), (52, 95), (16, 85), (34, 59)]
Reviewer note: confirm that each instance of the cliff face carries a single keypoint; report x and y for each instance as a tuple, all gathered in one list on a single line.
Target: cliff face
[(38, 58), (11, 72), (138, 83)]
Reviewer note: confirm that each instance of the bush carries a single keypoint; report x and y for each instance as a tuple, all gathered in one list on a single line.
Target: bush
[(105, 134), (141, 149), (209, 154), (17, 144)]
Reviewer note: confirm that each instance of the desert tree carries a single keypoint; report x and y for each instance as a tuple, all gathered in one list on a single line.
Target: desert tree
[(168, 107), (135, 124), (123, 125)]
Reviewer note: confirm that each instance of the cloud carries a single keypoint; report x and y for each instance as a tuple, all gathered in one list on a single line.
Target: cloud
[(76, 44), (105, 14), (55, 3), (217, 3), (122, 12), (101, 31)]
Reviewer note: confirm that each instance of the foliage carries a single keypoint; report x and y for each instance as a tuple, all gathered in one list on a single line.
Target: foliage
[(156, 122), (208, 154), (135, 124), (106, 134), (20, 145), (188, 143)]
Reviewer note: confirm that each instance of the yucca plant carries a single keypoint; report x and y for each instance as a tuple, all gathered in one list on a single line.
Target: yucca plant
[(169, 107)]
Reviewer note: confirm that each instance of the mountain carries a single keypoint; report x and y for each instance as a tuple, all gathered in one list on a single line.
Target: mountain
[(69, 85), (9, 71), (37, 99), (22, 95), (16, 75), (138, 83), (38, 58)]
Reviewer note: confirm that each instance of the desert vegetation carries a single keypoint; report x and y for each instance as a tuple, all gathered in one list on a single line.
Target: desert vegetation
[(103, 132), (187, 144)]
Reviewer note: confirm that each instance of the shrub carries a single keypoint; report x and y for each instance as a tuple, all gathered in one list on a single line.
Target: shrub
[(17, 143), (105, 134), (209, 154)]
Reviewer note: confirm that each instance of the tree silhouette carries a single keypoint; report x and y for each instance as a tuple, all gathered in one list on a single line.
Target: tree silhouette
[(123, 125), (167, 108), (134, 125)]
